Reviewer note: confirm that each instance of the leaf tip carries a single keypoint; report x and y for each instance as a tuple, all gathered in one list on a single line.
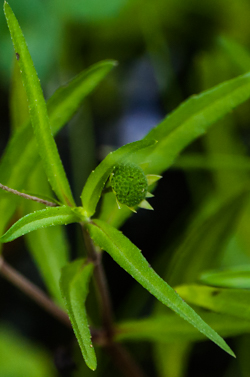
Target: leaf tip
[(92, 365)]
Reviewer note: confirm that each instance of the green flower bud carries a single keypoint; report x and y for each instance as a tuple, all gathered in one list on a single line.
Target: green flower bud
[(129, 183)]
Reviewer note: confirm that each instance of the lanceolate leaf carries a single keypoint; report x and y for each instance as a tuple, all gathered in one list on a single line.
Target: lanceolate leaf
[(21, 153), (74, 286), (40, 219), (192, 119), (92, 190), (235, 277), (129, 257), (38, 113), (171, 328), (67, 99), (234, 302), (189, 121)]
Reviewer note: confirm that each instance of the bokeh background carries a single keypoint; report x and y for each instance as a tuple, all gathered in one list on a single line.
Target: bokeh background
[(167, 50)]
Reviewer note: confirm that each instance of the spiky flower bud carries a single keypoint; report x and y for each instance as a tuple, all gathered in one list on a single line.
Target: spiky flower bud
[(129, 183)]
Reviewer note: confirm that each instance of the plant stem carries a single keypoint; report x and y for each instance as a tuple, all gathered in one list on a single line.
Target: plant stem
[(120, 356), (33, 292), (124, 361), (26, 196), (102, 287)]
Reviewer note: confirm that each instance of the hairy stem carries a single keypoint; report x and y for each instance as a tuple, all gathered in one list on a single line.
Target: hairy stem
[(26, 196), (33, 292)]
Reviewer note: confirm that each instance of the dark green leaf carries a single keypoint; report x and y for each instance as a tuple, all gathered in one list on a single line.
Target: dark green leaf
[(74, 286)]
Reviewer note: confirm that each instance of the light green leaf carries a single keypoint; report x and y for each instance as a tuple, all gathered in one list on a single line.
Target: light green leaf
[(235, 302), (20, 358), (40, 219), (38, 113), (234, 277), (21, 154), (74, 286), (93, 189), (129, 257), (171, 328)]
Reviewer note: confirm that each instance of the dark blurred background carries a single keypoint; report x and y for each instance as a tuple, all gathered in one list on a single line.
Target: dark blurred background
[(166, 51)]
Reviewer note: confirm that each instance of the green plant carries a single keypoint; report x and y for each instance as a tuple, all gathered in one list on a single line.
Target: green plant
[(157, 152)]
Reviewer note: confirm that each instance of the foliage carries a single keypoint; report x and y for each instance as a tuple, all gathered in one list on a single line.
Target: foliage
[(32, 155)]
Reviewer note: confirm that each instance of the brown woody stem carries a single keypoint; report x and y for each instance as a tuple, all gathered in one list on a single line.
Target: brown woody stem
[(26, 196), (33, 292)]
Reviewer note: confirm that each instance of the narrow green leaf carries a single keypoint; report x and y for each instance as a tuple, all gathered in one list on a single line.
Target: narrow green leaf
[(74, 286), (21, 154), (171, 328), (129, 257), (67, 99), (238, 54), (40, 219), (235, 302), (192, 119), (185, 124), (38, 113), (235, 277), (93, 189)]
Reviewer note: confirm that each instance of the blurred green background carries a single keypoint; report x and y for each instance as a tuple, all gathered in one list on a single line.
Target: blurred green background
[(167, 50)]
